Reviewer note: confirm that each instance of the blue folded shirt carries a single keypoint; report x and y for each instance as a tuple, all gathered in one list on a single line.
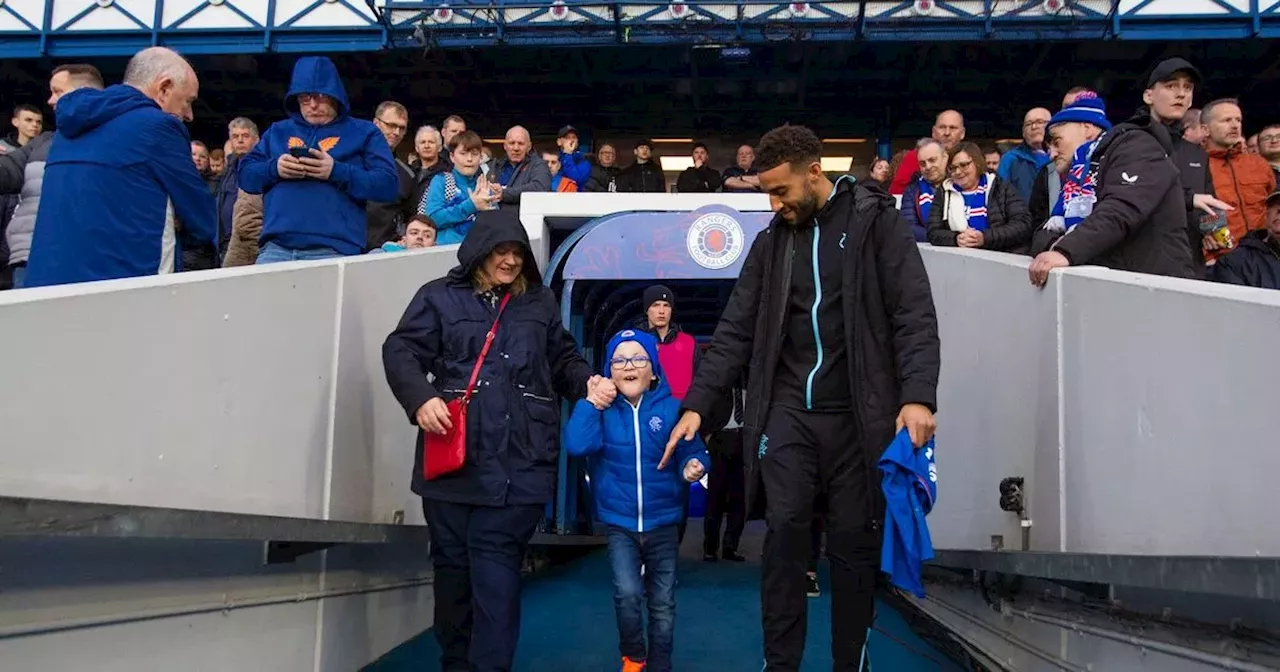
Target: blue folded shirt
[(910, 484)]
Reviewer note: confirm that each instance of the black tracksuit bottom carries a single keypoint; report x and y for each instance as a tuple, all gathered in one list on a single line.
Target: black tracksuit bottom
[(725, 496), (804, 455), (477, 553)]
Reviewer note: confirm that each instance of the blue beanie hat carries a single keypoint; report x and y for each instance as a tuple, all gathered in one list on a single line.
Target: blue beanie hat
[(1088, 108), (646, 341)]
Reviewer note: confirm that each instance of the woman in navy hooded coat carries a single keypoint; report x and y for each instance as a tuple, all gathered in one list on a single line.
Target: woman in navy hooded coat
[(482, 517)]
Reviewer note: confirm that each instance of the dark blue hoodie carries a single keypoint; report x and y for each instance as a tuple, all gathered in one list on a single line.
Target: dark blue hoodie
[(307, 213), (116, 165)]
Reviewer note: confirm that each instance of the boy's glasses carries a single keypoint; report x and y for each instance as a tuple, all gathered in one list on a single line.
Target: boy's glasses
[(639, 361)]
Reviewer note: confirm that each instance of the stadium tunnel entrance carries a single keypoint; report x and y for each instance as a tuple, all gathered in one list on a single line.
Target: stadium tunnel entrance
[(600, 268)]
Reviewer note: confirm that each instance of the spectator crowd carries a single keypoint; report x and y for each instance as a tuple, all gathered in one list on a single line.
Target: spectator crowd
[(1080, 188)]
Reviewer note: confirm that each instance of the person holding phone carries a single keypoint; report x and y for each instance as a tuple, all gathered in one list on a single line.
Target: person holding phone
[(316, 170)]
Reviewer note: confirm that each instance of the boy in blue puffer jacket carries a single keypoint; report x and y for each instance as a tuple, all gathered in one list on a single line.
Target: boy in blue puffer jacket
[(642, 505)]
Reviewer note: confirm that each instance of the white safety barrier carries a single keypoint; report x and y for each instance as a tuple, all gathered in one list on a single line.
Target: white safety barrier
[(256, 390), (1139, 409)]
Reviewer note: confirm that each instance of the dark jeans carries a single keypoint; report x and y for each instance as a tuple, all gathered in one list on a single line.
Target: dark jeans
[(725, 493), (477, 552), (810, 454), (657, 551)]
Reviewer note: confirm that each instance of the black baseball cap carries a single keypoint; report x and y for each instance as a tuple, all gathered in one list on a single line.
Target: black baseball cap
[(644, 143), (1273, 197), (566, 130), (1166, 69)]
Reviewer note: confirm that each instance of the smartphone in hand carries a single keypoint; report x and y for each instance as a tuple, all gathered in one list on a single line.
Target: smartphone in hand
[(300, 152)]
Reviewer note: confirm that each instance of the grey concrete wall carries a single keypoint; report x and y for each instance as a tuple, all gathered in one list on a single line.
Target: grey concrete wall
[(1139, 409), (256, 390)]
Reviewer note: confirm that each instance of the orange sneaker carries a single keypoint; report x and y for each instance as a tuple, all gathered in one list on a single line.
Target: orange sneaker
[(629, 665)]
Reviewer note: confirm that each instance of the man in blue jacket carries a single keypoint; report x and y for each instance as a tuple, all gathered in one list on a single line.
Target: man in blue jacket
[(110, 213), (1023, 163), (316, 170)]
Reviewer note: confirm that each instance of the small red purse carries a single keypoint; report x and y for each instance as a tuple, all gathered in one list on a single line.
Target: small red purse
[(443, 454)]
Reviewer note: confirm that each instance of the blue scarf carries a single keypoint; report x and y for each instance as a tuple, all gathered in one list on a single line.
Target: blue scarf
[(975, 204), (924, 201), (1075, 203)]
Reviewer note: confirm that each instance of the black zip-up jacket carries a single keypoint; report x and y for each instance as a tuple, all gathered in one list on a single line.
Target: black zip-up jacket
[(513, 431), (644, 177), (1193, 168), (702, 180), (422, 181), (1009, 225), (384, 221), (603, 178), (1256, 263), (1139, 222), (890, 326)]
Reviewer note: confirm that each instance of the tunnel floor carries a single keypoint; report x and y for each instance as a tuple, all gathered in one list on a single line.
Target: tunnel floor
[(568, 621)]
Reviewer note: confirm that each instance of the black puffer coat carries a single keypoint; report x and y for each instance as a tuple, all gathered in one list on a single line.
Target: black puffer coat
[(889, 322), (513, 429)]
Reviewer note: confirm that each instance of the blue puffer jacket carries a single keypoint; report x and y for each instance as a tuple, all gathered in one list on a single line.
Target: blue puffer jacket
[(625, 444)]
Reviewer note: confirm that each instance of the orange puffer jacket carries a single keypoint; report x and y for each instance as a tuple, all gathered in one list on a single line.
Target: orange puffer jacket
[(1244, 181)]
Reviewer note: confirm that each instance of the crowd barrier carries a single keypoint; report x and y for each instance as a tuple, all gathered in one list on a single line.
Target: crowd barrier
[(1137, 409)]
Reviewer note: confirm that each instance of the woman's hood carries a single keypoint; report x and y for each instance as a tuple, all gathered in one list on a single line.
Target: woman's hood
[(491, 229)]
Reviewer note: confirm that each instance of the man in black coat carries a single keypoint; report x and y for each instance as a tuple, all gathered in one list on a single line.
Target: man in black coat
[(833, 313), (1139, 222)]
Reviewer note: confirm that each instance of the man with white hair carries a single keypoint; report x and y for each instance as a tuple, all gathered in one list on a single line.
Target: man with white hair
[(428, 145), (107, 213), (242, 135)]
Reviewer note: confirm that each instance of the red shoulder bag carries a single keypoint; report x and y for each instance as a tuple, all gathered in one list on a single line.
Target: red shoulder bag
[(443, 454)]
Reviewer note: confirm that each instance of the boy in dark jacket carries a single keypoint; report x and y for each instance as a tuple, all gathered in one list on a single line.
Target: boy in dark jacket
[(641, 504)]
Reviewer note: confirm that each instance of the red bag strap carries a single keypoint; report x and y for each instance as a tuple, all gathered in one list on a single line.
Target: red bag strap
[(484, 352)]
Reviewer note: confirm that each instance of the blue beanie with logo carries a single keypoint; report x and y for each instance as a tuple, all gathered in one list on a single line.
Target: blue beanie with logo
[(646, 341), (1088, 108)]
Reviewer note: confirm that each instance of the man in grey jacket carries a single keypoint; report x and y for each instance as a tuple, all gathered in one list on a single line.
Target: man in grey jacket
[(522, 170), (22, 172)]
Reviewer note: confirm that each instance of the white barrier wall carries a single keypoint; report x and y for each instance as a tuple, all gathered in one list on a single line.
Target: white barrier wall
[(1139, 409), (256, 390)]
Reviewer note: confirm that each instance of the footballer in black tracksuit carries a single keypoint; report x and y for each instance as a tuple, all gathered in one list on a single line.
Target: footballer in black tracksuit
[(835, 318)]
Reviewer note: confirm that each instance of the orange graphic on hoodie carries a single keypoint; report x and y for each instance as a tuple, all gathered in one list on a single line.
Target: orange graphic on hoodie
[(328, 143), (295, 141)]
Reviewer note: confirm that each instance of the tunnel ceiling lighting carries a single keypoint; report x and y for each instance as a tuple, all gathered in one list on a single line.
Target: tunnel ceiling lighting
[(494, 141), (847, 141), (1009, 140), (675, 164), (672, 141), (836, 164)]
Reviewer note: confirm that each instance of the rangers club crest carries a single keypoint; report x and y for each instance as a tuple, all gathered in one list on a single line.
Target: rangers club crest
[(715, 241)]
